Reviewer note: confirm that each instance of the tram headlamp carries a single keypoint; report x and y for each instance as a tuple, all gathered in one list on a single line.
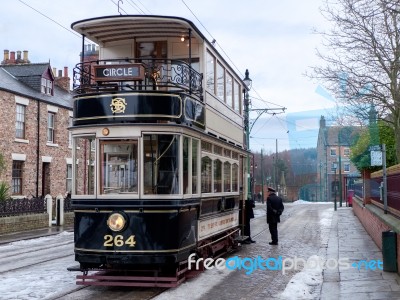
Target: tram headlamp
[(116, 222)]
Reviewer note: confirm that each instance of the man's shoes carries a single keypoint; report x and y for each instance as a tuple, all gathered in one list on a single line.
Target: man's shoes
[(248, 241), (273, 243)]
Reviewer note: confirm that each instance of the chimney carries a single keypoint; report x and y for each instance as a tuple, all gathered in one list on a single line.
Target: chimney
[(6, 57), (26, 59), (54, 71), (12, 57), (19, 58), (63, 81)]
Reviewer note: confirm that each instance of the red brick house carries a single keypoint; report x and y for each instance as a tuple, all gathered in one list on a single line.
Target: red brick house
[(36, 110), (335, 170)]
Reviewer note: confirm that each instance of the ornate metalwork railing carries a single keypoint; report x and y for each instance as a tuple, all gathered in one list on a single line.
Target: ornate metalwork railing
[(159, 74), (13, 207)]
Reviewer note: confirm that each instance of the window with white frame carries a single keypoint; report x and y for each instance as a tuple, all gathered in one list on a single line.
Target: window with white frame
[(47, 86), (346, 167), (69, 178), (51, 127), (333, 151), (69, 132), (346, 151), (20, 121)]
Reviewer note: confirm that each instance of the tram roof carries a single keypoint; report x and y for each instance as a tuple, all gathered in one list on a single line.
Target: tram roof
[(106, 29)]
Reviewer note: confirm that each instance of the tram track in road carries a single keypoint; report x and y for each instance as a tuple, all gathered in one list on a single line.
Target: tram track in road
[(120, 293), (22, 261)]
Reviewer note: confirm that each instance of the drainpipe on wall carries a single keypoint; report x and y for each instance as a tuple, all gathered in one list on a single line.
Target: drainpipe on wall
[(38, 150)]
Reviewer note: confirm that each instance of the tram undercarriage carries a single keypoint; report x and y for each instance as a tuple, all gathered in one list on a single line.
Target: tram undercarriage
[(161, 276)]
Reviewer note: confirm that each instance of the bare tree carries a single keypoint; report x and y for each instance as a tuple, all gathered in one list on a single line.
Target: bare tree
[(362, 62)]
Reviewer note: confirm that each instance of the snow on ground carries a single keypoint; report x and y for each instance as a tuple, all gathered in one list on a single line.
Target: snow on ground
[(46, 280), (303, 284)]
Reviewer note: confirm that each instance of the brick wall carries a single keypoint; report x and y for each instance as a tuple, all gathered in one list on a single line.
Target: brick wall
[(23, 223), (374, 226), (58, 152)]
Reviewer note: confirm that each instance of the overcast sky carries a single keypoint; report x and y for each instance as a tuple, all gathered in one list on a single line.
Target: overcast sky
[(273, 39)]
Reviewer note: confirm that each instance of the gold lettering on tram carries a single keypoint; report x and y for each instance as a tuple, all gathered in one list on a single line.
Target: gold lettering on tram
[(119, 241), (118, 105)]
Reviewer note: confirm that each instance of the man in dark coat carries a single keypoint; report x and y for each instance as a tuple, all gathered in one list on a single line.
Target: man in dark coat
[(249, 214), (274, 210)]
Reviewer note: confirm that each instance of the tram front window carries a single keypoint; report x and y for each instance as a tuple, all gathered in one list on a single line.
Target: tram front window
[(161, 164), (118, 167)]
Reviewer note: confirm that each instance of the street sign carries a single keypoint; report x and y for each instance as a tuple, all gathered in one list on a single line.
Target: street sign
[(375, 148), (376, 158)]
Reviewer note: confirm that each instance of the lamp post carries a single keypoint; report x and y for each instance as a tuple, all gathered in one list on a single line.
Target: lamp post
[(247, 81), (335, 186)]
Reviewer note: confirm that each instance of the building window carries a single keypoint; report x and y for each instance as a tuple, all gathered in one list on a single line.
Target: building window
[(47, 86), (17, 167), (69, 178), (70, 132), (346, 152), (20, 122), (346, 167), (50, 127), (333, 151)]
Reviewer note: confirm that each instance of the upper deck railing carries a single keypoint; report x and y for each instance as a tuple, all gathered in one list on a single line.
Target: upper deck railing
[(116, 75)]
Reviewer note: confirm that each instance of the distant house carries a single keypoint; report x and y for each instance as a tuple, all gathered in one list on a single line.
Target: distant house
[(36, 110), (335, 170)]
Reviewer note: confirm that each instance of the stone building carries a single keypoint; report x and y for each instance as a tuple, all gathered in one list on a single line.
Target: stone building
[(335, 170), (35, 110)]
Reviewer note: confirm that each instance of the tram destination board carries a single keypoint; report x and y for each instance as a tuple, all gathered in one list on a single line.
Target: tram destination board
[(119, 72)]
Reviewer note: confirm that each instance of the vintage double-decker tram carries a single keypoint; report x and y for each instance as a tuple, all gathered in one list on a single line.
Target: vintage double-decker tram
[(158, 150)]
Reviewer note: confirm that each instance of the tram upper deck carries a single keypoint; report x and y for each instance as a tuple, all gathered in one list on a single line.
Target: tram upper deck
[(163, 62)]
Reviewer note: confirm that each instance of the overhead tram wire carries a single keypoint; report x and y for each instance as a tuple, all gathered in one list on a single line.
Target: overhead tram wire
[(54, 21), (135, 6)]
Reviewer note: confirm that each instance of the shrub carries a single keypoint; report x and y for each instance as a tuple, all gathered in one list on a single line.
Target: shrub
[(4, 191)]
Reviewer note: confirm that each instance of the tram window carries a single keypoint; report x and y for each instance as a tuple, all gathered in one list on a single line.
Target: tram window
[(227, 177), (236, 97), (195, 151), (235, 177), (118, 167), (220, 82), (206, 174), (186, 165), (229, 90), (210, 72), (217, 176), (161, 164), (84, 156)]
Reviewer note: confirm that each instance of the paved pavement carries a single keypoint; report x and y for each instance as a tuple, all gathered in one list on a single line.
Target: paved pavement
[(25, 235), (347, 239)]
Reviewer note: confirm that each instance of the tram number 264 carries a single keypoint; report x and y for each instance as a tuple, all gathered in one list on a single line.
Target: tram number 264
[(118, 241)]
